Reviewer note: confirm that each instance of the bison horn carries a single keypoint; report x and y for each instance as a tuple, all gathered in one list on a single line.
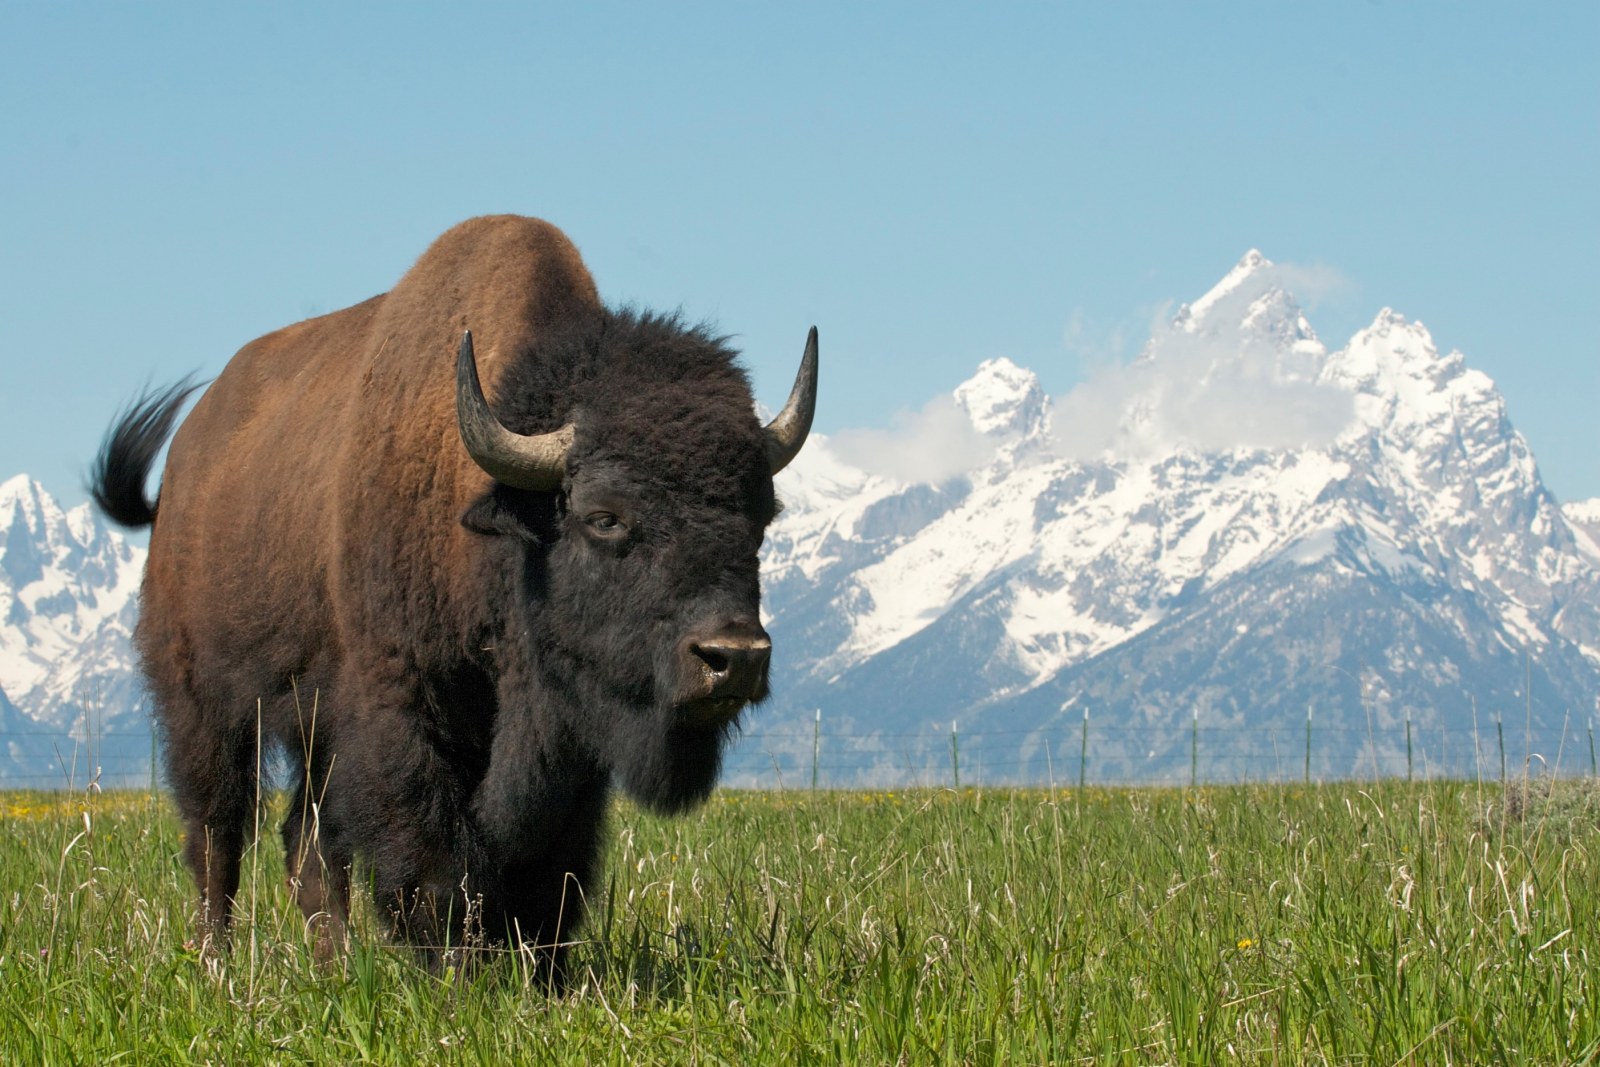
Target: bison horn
[(536, 461), (787, 432)]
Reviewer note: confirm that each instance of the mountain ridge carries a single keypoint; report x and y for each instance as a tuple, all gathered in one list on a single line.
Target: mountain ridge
[(1399, 480)]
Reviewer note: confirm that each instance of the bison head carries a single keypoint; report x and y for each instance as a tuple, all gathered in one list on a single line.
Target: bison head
[(641, 517)]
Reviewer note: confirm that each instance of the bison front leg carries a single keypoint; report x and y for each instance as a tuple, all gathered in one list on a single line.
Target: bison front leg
[(425, 877), (547, 880), (397, 796), (541, 809)]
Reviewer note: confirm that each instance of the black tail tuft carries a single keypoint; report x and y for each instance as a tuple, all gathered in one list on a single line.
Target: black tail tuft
[(116, 481)]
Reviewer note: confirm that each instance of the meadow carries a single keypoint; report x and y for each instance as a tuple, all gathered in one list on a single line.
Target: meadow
[(1351, 923)]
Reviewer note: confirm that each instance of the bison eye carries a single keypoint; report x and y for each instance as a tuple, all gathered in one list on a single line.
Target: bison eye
[(605, 524)]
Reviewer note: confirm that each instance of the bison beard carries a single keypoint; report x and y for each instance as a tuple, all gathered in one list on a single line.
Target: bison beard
[(459, 666)]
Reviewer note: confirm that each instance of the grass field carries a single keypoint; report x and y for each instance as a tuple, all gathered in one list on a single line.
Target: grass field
[(1353, 923)]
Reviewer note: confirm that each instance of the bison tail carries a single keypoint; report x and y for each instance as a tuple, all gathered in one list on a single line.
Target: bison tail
[(116, 481)]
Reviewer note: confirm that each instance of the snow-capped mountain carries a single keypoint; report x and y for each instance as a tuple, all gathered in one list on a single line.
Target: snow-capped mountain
[(1239, 525), (68, 601)]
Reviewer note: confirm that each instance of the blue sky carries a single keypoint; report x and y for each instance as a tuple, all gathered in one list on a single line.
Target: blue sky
[(930, 186)]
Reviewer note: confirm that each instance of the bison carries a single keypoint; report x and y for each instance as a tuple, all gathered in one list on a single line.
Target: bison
[(464, 621)]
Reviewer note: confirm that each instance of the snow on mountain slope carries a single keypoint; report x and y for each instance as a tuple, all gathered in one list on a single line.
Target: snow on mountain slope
[(1096, 548), (1235, 449), (1436, 446), (1584, 518), (68, 600)]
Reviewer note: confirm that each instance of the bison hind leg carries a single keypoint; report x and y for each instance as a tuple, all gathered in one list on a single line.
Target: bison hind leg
[(214, 783), (317, 860)]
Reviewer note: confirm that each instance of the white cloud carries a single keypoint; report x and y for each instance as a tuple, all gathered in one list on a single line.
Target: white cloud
[(1193, 391), (1236, 385), (1095, 347), (1246, 379), (1313, 283), (932, 444)]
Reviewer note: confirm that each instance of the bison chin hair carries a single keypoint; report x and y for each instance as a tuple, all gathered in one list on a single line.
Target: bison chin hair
[(665, 754), (672, 768), (632, 718)]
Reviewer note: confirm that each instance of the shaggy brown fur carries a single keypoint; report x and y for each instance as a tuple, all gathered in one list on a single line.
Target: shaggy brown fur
[(458, 669)]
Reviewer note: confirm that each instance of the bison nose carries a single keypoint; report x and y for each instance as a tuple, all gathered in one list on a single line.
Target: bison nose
[(729, 666)]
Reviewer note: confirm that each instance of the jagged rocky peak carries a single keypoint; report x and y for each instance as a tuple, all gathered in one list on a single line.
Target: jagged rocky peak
[(1247, 281), (32, 525), (67, 586), (1252, 299), (21, 496), (36, 526), (1401, 377), (1248, 325), (1391, 354), (1003, 399)]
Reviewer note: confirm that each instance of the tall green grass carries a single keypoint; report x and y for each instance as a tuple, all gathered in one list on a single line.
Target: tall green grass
[(1361, 924)]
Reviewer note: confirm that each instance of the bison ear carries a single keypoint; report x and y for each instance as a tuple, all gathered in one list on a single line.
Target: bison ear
[(503, 510)]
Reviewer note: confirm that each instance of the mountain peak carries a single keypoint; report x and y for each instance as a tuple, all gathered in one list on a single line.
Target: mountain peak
[(1002, 398), (1252, 269), (1396, 357), (1230, 522), (1250, 305), (67, 601), (28, 505), (20, 487)]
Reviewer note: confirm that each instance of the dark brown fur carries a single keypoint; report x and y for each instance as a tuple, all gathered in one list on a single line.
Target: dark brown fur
[(458, 669)]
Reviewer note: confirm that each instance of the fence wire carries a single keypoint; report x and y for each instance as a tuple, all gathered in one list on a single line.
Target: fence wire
[(1096, 754), (791, 757)]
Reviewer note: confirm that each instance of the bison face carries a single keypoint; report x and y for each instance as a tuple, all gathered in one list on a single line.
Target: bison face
[(642, 518), (639, 616), (647, 609)]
